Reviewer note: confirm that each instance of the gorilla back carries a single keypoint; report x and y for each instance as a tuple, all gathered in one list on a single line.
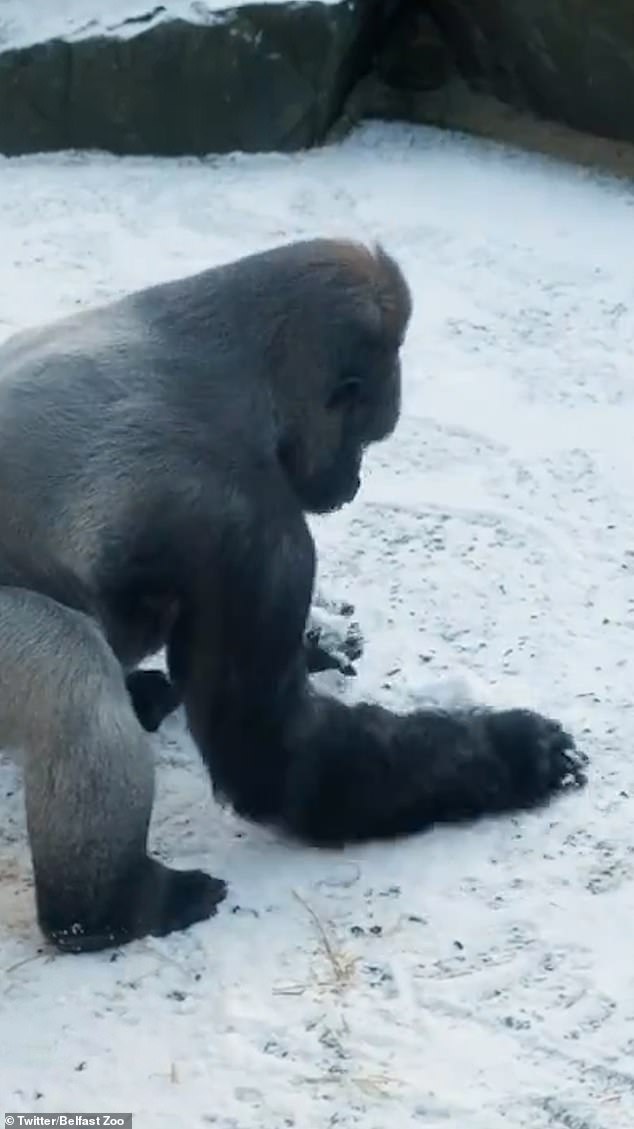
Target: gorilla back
[(157, 459)]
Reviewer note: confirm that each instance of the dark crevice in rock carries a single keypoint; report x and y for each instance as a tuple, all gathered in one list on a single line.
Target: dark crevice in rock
[(144, 18), (410, 59)]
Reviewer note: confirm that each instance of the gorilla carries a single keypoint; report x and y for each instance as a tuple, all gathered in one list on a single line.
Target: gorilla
[(158, 457)]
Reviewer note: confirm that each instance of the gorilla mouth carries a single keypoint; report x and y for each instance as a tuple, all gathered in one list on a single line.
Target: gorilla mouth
[(345, 493), (327, 490), (326, 495)]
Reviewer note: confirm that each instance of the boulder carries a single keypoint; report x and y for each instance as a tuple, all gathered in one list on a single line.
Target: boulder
[(570, 61), (180, 78)]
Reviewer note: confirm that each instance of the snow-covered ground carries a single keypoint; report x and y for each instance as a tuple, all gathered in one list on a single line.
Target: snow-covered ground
[(477, 978)]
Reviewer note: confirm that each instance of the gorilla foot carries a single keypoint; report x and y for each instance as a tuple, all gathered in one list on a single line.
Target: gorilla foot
[(153, 696), (190, 896), (158, 902), (540, 757)]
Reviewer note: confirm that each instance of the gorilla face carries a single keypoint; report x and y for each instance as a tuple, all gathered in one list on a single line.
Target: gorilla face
[(362, 407), (336, 368)]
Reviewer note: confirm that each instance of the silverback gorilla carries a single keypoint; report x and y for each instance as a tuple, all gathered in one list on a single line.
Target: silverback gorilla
[(157, 459)]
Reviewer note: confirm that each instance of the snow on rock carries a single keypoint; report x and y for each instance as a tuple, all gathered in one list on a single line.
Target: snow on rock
[(478, 977), (23, 22)]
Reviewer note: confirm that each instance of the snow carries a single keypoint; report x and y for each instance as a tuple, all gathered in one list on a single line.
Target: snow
[(478, 977), (24, 22)]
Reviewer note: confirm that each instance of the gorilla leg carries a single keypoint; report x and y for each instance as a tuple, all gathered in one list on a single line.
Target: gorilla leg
[(89, 783), (320, 769)]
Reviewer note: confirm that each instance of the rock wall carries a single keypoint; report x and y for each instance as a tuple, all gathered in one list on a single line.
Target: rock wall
[(258, 76), (552, 76), (570, 61), (188, 76)]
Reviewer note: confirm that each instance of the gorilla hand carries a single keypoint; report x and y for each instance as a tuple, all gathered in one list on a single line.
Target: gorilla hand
[(332, 640)]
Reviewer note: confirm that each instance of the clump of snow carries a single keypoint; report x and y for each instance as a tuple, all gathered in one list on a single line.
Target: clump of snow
[(478, 977), (23, 22)]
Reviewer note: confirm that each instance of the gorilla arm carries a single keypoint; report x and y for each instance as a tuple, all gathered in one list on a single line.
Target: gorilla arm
[(321, 770)]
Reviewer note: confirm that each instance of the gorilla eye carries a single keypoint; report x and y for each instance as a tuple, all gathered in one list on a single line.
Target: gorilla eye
[(346, 393)]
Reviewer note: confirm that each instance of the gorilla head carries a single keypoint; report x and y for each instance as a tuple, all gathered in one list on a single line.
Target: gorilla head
[(336, 366)]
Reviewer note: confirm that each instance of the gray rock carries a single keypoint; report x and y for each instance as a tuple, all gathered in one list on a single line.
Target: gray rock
[(570, 61), (269, 76)]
